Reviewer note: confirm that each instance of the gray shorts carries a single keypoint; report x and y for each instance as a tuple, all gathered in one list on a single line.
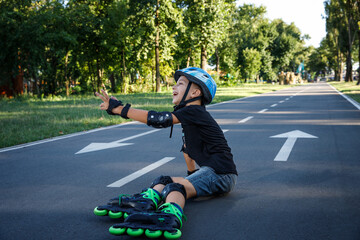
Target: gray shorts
[(207, 182)]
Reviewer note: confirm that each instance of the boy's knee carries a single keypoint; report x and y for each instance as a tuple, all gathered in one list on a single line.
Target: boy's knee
[(164, 180), (173, 187)]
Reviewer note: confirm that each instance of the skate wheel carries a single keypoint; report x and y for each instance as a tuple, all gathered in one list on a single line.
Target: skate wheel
[(153, 234), (135, 232), (172, 235), (115, 214), (100, 212), (117, 231), (126, 215)]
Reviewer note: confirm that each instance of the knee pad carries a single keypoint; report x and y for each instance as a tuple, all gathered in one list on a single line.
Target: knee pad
[(173, 187), (164, 180)]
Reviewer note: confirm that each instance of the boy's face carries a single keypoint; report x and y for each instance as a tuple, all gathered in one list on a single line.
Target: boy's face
[(179, 90)]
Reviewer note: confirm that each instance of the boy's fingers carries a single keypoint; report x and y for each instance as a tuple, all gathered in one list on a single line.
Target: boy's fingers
[(100, 96), (105, 94)]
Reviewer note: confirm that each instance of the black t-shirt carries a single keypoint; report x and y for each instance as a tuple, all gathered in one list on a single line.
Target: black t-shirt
[(204, 139)]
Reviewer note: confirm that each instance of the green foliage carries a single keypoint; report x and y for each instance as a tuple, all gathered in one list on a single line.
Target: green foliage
[(77, 46)]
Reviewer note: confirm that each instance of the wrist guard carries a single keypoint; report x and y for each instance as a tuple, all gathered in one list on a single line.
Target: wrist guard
[(125, 111), (113, 104), (159, 119)]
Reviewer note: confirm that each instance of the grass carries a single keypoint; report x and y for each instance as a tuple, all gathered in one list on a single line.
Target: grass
[(28, 119), (349, 88)]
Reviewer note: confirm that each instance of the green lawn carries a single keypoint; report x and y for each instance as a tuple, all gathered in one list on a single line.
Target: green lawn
[(29, 119)]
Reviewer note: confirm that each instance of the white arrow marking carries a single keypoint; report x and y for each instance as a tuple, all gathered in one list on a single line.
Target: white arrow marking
[(286, 149), (141, 172), (118, 143)]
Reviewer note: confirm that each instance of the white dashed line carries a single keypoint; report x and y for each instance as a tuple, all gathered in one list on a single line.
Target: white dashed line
[(246, 119), (264, 110), (141, 172)]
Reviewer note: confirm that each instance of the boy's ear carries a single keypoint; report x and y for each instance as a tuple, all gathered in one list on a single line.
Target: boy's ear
[(197, 92)]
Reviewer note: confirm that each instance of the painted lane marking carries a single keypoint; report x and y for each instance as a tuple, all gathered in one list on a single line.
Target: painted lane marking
[(291, 138), (349, 99), (264, 110), (118, 143), (25, 145), (281, 101), (274, 105), (141, 172), (246, 119)]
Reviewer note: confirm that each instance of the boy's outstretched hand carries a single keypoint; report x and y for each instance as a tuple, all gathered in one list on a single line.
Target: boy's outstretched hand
[(105, 98), (108, 103)]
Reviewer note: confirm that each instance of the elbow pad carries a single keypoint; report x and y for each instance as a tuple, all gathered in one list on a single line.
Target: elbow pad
[(159, 119)]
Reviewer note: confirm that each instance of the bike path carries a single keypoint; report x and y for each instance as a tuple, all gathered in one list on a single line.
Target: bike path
[(49, 190)]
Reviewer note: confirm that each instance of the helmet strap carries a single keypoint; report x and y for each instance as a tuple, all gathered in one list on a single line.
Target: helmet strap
[(183, 102)]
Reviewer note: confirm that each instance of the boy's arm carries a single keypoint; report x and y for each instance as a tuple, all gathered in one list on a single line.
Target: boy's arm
[(140, 115), (135, 114)]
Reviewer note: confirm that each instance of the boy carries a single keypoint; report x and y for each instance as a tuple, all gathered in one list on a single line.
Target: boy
[(204, 144)]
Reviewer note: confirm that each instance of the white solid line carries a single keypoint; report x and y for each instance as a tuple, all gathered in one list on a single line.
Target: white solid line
[(62, 137), (274, 105), (141, 172), (245, 119), (264, 110), (349, 99)]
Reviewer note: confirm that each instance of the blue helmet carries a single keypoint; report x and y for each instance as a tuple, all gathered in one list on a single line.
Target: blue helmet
[(201, 78)]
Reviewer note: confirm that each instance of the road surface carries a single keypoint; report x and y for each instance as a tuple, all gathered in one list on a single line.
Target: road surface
[(297, 152)]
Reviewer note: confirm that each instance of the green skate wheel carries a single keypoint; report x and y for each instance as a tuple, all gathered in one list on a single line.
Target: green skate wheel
[(117, 231), (172, 235), (115, 214), (135, 232), (126, 215), (153, 234), (100, 212)]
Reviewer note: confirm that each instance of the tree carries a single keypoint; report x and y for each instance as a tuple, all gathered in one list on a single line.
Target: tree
[(342, 17), (252, 63), (206, 24)]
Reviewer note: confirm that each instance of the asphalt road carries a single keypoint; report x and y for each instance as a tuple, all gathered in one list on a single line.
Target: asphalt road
[(300, 185)]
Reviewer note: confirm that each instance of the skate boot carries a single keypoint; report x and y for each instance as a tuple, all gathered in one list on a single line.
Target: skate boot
[(124, 205), (167, 222)]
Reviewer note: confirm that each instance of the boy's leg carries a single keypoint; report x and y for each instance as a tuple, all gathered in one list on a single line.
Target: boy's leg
[(176, 196)]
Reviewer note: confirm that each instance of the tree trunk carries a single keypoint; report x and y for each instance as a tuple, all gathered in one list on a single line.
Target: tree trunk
[(112, 82), (358, 70), (217, 60), (98, 75), (157, 57), (203, 57), (188, 59), (124, 76), (67, 82), (348, 74)]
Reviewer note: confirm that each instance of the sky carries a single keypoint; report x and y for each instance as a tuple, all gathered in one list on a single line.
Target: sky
[(306, 15)]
